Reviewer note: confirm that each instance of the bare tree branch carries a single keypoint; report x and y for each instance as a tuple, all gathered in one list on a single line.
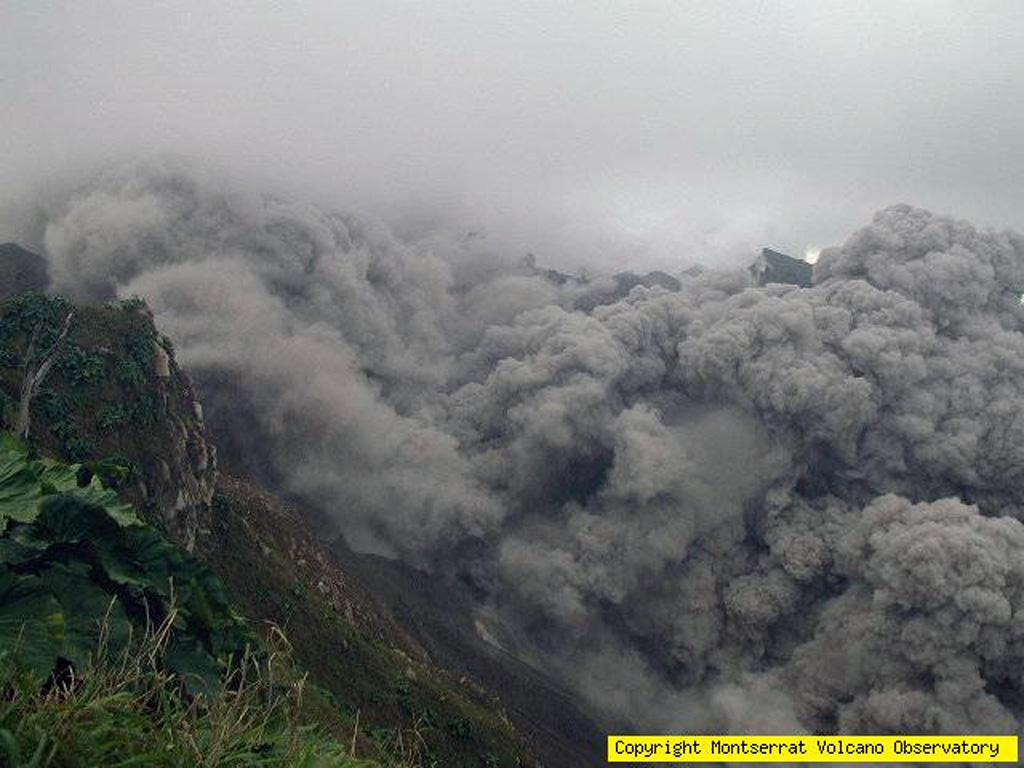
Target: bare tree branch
[(36, 372)]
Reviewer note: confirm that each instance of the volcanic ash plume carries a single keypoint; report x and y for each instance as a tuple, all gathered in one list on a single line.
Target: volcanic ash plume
[(727, 506)]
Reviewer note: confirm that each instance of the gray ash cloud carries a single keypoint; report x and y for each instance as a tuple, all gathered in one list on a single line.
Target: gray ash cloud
[(729, 506)]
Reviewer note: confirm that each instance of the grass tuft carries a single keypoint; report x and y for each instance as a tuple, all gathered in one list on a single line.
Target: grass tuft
[(127, 709)]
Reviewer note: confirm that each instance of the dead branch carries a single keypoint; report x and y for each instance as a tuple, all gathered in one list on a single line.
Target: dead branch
[(35, 372)]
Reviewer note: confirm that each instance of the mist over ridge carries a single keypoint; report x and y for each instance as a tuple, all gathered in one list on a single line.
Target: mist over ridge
[(733, 507)]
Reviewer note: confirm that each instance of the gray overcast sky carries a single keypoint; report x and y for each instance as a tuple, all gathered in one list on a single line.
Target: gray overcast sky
[(641, 133)]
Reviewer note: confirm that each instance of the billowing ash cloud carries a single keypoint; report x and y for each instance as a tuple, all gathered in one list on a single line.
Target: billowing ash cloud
[(727, 507)]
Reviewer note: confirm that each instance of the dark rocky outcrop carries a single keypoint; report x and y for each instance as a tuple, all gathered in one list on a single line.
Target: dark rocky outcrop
[(21, 270), (775, 267)]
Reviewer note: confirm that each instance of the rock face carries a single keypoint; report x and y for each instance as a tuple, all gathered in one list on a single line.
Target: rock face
[(775, 267), (179, 482), (21, 271)]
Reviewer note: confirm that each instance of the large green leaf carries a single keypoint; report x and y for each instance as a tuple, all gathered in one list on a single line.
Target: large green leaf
[(96, 494), (16, 553), (58, 613), (65, 518), (198, 669), (20, 491), (24, 483), (32, 622), (55, 477), (73, 559), (87, 608)]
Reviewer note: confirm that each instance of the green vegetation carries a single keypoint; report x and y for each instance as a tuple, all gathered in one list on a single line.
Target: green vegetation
[(117, 648), (129, 710), (111, 634), (275, 571), (71, 551), (102, 386), (102, 396)]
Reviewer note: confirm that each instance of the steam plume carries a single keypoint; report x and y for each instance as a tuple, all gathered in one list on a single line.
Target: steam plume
[(709, 504)]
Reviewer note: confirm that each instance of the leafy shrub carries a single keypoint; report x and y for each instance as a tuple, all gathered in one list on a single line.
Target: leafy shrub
[(146, 413), (110, 418), (32, 312), (56, 406), (113, 471), (70, 555), (130, 374), (80, 367), (461, 728), (78, 447), (132, 304), (118, 647)]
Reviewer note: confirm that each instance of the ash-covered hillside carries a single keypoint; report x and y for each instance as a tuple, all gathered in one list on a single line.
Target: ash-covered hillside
[(729, 506)]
